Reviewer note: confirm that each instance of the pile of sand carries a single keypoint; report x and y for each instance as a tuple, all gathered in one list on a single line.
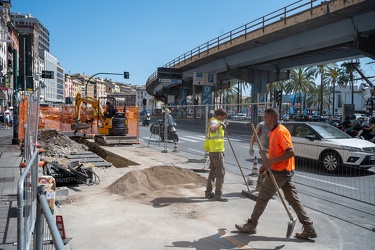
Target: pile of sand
[(167, 181)]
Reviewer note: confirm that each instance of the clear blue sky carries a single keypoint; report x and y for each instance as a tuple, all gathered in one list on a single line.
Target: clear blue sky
[(137, 35)]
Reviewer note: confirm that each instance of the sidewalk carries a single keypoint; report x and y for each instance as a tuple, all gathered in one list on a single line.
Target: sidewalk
[(10, 160)]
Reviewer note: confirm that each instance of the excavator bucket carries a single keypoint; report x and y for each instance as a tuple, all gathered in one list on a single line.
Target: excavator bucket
[(79, 126)]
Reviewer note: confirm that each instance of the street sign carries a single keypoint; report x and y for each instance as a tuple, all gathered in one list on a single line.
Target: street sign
[(171, 99), (170, 80), (48, 74), (207, 79)]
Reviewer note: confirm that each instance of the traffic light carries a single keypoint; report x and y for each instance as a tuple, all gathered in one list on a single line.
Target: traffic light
[(279, 96), (126, 75), (48, 74)]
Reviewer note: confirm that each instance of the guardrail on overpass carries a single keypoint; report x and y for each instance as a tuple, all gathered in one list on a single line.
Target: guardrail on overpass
[(259, 23)]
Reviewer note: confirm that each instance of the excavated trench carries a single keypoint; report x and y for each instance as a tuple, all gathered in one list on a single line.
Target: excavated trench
[(116, 160)]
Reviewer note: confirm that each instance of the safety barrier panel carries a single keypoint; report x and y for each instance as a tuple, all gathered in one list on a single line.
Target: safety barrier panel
[(31, 209), (62, 117)]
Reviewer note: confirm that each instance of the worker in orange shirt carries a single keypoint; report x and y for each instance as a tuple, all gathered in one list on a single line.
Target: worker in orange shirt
[(280, 159)]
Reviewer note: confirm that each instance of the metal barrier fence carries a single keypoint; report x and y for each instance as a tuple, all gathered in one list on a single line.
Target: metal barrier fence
[(28, 216), (354, 183)]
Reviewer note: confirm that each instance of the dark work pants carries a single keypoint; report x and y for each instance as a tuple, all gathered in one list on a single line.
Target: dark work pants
[(217, 171)]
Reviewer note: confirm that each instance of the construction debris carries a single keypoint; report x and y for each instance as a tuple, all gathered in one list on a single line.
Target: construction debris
[(66, 160), (56, 144)]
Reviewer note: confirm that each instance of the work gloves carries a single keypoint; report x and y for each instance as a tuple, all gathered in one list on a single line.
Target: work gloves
[(224, 124), (251, 151)]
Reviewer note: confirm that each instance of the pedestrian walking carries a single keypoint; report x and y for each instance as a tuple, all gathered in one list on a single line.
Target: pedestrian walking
[(263, 132), (7, 117), (214, 145), (280, 159)]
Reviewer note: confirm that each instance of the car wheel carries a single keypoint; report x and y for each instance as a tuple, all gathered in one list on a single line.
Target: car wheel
[(331, 162)]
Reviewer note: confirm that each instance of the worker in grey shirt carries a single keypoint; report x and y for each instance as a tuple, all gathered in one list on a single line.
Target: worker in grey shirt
[(263, 133)]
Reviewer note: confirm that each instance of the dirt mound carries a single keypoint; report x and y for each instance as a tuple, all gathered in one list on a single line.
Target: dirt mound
[(56, 144), (163, 180)]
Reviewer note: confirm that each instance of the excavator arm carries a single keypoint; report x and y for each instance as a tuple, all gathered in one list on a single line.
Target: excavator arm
[(78, 106)]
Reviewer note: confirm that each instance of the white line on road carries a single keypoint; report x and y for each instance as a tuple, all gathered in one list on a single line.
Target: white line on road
[(186, 139), (196, 137), (315, 179), (199, 151)]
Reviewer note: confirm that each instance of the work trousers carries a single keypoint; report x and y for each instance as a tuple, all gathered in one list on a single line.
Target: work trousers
[(290, 193), (217, 171)]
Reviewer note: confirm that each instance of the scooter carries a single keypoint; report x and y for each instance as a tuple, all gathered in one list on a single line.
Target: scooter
[(146, 120), (158, 129)]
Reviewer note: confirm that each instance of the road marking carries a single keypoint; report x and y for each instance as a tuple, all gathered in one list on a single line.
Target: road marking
[(187, 139), (196, 137), (198, 151), (234, 139), (332, 183)]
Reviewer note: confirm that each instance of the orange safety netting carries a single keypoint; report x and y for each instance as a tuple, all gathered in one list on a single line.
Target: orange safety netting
[(62, 117)]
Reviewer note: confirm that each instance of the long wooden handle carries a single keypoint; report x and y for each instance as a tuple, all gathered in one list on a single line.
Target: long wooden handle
[(238, 163), (262, 153)]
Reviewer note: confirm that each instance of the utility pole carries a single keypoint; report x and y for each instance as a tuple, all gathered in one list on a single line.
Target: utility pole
[(15, 139)]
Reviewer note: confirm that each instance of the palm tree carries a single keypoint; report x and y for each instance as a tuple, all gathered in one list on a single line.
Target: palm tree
[(347, 75), (323, 70), (315, 98), (301, 81), (331, 76)]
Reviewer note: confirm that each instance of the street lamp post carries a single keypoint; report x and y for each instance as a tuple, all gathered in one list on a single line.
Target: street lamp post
[(126, 76), (15, 139)]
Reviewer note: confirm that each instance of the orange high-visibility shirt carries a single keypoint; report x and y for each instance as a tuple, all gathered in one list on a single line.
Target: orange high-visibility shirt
[(280, 141)]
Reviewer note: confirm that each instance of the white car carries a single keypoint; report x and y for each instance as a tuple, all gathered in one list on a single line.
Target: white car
[(239, 116), (330, 146)]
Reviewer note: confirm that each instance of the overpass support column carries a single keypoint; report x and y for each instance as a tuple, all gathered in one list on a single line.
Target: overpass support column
[(258, 79), (366, 45)]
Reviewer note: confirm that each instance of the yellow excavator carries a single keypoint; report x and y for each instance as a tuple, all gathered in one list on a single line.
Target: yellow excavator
[(109, 126)]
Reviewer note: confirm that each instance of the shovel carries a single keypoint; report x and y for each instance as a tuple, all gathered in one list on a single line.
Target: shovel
[(244, 192), (292, 221)]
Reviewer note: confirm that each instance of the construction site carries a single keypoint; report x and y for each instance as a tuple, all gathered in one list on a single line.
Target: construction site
[(127, 194)]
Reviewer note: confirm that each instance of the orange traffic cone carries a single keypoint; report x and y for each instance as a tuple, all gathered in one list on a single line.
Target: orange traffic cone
[(60, 226)]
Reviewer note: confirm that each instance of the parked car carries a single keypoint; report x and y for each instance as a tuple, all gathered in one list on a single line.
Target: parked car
[(239, 116), (317, 118), (303, 118), (330, 146)]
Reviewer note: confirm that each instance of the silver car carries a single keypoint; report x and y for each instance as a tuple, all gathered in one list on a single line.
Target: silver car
[(330, 146)]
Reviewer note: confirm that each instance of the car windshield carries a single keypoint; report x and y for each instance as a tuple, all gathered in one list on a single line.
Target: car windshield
[(328, 131)]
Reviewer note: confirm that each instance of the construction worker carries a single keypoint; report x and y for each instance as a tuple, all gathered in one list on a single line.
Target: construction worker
[(214, 145), (280, 159), (110, 111), (263, 133)]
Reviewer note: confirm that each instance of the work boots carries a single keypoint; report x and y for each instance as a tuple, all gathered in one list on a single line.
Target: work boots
[(218, 198), (308, 232), (209, 195), (249, 227)]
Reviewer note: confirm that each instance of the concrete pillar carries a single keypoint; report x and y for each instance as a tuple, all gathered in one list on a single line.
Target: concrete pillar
[(258, 79)]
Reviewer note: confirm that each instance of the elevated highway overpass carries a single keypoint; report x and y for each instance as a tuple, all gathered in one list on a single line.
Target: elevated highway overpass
[(305, 33)]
